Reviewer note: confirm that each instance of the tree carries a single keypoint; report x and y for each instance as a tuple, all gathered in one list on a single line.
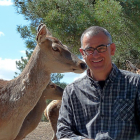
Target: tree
[(131, 10), (67, 19)]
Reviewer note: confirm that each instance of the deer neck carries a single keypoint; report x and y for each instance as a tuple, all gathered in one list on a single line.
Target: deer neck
[(23, 92), (32, 81), (35, 72), (41, 104)]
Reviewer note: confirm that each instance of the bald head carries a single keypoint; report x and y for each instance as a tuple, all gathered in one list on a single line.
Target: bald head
[(95, 30)]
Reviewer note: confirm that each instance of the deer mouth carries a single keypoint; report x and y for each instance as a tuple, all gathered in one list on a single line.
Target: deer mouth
[(78, 71), (82, 67), (73, 69)]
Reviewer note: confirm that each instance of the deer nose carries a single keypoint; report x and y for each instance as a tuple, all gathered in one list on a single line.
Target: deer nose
[(83, 66)]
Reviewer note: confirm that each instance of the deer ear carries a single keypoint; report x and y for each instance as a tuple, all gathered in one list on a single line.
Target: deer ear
[(42, 32), (131, 66), (52, 85)]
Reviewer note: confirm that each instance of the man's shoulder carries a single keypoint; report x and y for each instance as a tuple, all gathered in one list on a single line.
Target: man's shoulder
[(75, 88), (80, 81)]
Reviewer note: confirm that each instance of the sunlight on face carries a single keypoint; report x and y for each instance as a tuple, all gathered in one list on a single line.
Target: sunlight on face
[(98, 63)]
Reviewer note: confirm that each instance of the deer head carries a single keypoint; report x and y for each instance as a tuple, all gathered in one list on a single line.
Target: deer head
[(131, 67), (57, 54), (52, 91), (138, 71)]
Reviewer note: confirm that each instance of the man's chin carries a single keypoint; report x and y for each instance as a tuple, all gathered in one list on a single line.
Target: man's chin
[(98, 68)]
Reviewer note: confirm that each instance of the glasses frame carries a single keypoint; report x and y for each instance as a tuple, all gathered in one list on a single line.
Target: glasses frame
[(96, 49)]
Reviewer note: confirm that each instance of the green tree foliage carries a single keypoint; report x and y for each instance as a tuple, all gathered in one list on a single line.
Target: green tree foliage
[(56, 77), (67, 19), (22, 63), (131, 10)]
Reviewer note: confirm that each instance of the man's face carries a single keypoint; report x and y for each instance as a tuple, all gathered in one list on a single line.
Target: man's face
[(98, 62)]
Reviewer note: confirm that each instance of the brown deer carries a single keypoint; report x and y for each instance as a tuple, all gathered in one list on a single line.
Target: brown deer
[(51, 113), (19, 96), (131, 67), (32, 120)]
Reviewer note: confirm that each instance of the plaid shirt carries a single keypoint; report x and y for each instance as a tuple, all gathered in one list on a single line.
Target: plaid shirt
[(111, 113)]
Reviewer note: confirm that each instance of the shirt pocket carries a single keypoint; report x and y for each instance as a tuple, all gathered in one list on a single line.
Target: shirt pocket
[(123, 110)]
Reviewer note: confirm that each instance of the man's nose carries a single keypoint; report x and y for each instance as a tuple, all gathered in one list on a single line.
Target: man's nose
[(95, 53)]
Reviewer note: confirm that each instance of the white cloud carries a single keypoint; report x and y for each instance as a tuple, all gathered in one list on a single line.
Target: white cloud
[(1, 33), (8, 68), (23, 52), (6, 2)]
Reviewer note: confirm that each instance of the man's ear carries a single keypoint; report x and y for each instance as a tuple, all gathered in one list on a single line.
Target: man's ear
[(81, 51), (113, 49)]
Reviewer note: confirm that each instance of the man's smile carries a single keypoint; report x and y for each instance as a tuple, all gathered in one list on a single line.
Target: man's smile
[(97, 61)]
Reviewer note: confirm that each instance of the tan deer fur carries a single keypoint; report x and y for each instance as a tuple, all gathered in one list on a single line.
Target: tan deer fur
[(131, 67), (32, 120), (19, 96), (51, 113), (138, 71)]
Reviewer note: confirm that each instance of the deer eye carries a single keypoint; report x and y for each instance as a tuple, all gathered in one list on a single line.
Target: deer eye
[(52, 86), (55, 48)]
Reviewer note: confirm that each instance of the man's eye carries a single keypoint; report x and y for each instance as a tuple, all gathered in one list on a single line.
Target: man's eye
[(89, 50), (101, 48)]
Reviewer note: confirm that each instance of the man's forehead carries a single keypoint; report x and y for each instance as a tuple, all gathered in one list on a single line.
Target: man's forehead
[(93, 38), (94, 34), (94, 41)]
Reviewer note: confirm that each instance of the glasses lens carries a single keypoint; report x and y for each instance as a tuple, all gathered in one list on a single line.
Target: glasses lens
[(101, 49), (89, 51)]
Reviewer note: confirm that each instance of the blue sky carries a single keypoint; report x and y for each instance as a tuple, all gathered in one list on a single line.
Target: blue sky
[(12, 46)]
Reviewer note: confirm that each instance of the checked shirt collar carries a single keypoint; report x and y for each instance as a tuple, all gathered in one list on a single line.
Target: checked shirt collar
[(112, 76)]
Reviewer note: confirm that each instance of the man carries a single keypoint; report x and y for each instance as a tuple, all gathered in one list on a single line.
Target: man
[(104, 104)]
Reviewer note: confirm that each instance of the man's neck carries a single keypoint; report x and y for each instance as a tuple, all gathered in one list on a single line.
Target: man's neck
[(99, 76)]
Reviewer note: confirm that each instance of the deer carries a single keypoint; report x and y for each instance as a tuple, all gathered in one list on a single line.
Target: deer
[(51, 113), (32, 120), (131, 67), (20, 95)]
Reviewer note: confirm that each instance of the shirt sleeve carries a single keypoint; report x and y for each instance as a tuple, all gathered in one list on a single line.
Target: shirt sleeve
[(66, 125)]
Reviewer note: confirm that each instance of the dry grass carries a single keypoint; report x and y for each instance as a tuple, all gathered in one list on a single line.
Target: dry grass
[(42, 132)]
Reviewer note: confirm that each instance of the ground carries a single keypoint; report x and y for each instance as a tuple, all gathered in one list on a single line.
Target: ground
[(42, 132)]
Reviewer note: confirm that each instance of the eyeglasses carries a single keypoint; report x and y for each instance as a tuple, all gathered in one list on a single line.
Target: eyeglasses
[(100, 49)]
